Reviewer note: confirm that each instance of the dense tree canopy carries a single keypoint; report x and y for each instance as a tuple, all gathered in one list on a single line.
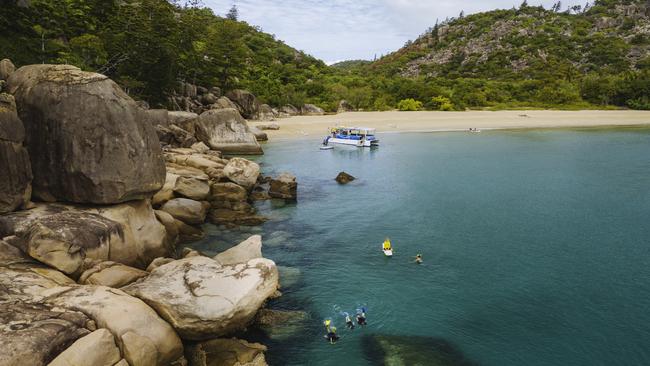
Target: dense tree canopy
[(582, 57)]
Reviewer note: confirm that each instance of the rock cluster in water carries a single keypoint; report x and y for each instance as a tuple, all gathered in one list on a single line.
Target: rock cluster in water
[(96, 195)]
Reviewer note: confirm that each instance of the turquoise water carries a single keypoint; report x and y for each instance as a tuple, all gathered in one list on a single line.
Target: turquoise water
[(536, 246)]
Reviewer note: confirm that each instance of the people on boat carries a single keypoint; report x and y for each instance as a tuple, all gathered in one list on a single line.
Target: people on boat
[(387, 245), (331, 335), (348, 321), (361, 318), (418, 259)]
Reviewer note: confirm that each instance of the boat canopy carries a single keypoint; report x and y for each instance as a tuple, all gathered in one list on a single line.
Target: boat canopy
[(354, 130)]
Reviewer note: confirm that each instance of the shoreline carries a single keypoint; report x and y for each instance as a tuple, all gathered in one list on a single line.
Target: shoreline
[(430, 122)]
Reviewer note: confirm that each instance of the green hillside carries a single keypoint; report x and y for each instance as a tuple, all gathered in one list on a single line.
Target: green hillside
[(594, 57), (530, 56), (147, 45)]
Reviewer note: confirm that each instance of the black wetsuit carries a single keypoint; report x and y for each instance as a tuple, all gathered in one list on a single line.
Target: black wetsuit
[(361, 320), (332, 337), (350, 324)]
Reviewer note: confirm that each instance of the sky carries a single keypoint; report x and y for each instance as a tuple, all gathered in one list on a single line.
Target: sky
[(339, 30)]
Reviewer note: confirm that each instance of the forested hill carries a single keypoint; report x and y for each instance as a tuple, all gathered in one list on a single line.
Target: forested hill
[(583, 57), (613, 36), (533, 55), (148, 45)]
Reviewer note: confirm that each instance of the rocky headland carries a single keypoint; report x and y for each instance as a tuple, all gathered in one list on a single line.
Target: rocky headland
[(97, 195)]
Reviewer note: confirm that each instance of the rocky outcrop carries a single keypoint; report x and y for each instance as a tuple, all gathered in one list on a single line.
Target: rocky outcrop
[(259, 134), (66, 235), (202, 299), (143, 337), (179, 117), (243, 172), (246, 102), (16, 176), (311, 110), (88, 141), (42, 313), (97, 348), (344, 178), (225, 352), (65, 240), (225, 130), (6, 69), (345, 106), (267, 113), (186, 210), (111, 274), (268, 126), (289, 110), (250, 248), (223, 103), (195, 188), (284, 186)]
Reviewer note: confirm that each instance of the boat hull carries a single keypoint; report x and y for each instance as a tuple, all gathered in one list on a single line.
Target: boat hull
[(357, 143)]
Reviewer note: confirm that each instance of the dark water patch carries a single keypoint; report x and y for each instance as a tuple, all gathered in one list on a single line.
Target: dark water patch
[(395, 350)]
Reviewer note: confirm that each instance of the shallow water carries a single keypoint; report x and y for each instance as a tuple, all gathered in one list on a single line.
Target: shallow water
[(536, 246)]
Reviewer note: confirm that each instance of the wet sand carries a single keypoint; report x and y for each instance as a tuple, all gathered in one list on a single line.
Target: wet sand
[(394, 121)]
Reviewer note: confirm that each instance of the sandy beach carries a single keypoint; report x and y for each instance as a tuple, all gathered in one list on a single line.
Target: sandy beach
[(394, 121)]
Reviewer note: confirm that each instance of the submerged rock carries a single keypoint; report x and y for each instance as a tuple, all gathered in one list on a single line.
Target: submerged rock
[(284, 186), (225, 352), (406, 350), (344, 178), (202, 299), (282, 324), (88, 141)]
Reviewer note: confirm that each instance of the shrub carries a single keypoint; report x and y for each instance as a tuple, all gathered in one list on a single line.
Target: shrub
[(409, 104), (440, 103)]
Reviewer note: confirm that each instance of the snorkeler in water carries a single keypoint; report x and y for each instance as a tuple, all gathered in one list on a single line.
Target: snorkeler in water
[(418, 259), (361, 318), (348, 321), (331, 335)]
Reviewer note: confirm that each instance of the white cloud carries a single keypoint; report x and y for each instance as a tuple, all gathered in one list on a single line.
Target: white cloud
[(349, 29)]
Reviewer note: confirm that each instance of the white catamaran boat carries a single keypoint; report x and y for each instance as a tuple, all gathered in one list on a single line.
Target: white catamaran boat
[(354, 136)]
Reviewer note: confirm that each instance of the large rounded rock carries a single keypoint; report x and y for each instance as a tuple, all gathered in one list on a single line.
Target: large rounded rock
[(246, 102), (228, 192), (64, 240), (259, 134), (243, 172), (192, 188), (89, 142), (128, 233), (225, 130), (96, 349), (289, 110), (111, 274), (202, 299), (186, 210), (311, 110), (144, 338), (16, 176)]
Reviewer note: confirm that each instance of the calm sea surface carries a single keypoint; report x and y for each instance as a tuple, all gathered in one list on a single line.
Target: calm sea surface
[(536, 249)]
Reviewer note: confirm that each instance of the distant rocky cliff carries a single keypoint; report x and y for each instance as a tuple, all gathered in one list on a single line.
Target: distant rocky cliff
[(613, 35)]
